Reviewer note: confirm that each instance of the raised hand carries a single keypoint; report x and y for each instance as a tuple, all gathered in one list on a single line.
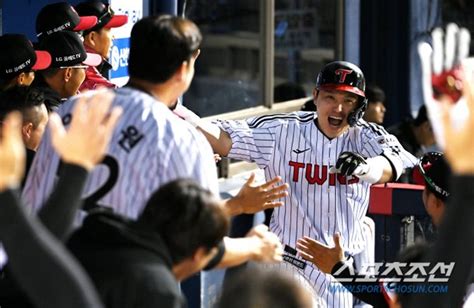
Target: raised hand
[(350, 163), (12, 152), (323, 256), (442, 75), (372, 170), (85, 141), (252, 199), (459, 141)]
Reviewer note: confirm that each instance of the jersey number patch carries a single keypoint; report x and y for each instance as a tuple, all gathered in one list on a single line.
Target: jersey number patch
[(90, 202)]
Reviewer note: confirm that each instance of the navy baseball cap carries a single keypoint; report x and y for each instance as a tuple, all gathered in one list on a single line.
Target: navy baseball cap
[(18, 55), (67, 50), (106, 17), (433, 172), (61, 16)]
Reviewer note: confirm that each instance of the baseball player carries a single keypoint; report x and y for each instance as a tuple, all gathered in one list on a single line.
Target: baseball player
[(329, 159)]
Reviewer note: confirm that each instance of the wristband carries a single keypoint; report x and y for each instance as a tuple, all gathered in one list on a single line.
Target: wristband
[(371, 172)]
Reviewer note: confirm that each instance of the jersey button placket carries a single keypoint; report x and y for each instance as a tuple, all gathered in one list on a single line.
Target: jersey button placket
[(329, 160)]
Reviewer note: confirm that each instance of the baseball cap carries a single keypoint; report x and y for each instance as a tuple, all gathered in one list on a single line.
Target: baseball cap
[(433, 172), (18, 55), (66, 50), (106, 17), (61, 16)]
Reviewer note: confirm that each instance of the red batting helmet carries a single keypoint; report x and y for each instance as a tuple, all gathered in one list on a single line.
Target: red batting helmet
[(344, 76)]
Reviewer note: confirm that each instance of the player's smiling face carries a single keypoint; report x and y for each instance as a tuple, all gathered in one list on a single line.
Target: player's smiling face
[(333, 108)]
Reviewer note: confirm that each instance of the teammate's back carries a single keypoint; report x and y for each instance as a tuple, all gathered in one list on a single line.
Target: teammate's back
[(148, 148)]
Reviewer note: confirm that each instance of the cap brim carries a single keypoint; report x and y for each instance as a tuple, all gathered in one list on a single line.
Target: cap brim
[(85, 23), (117, 21), (92, 59), (43, 60), (343, 87)]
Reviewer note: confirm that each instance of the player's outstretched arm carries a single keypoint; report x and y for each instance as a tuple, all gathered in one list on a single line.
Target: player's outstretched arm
[(252, 199), (259, 245), (220, 140), (373, 170)]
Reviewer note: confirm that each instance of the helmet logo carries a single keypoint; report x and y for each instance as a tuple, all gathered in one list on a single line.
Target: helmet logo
[(342, 73)]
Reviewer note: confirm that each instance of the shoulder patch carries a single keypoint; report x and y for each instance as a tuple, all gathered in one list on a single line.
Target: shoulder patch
[(386, 139)]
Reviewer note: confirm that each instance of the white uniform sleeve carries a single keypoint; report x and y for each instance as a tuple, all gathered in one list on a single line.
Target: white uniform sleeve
[(377, 141), (190, 158), (42, 175), (250, 141)]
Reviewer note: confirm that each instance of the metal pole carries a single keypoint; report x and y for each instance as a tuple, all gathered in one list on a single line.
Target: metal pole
[(339, 52), (267, 52)]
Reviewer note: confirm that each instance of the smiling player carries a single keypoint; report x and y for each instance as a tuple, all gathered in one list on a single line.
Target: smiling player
[(329, 158)]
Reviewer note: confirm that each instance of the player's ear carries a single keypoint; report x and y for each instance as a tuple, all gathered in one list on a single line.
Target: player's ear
[(315, 96), (181, 72), (89, 39), (26, 130), (67, 73), (21, 78)]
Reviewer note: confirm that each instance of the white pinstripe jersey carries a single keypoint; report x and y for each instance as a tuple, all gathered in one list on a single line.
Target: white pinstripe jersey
[(319, 204), (150, 145)]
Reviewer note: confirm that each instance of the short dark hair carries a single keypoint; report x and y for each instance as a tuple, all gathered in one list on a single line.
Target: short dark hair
[(159, 45), (24, 99), (374, 94), (186, 216), (263, 288)]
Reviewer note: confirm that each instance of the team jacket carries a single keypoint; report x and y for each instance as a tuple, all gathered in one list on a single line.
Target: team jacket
[(94, 78), (129, 267)]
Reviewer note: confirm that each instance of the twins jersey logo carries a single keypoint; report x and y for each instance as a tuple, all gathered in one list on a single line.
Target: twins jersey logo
[(318, 174), (342, 73)]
